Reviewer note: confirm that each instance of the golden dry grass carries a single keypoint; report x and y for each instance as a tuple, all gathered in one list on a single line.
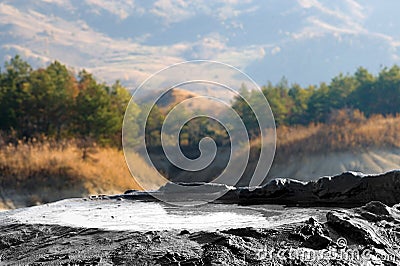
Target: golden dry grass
[(340, 135), (48, 171)]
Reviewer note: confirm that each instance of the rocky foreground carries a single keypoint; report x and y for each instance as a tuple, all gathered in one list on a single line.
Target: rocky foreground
[(368, 234)]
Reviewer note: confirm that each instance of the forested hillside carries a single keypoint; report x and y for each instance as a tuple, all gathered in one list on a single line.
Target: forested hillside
[(54, 103), (359, 94)]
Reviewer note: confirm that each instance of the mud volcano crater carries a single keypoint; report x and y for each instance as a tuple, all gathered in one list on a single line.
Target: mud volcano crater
[(284, 222)]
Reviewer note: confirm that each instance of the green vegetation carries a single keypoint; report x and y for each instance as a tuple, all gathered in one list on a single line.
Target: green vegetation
[(51, 103), (62, 132), (294, 105), (54, 103)]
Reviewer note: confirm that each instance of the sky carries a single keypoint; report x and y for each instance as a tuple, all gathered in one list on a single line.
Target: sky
[(306, 41)]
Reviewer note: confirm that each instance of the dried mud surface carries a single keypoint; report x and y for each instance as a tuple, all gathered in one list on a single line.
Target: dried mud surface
[(360, 236)]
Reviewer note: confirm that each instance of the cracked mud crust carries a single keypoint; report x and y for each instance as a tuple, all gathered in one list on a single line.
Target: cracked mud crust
[(374, 228)]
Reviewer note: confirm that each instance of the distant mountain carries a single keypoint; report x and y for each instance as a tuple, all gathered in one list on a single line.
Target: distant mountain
[(174, 97), (191, 101), (307, 41)]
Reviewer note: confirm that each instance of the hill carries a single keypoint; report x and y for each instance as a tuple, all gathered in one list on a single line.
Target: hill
[(174, 97), (196, 100)]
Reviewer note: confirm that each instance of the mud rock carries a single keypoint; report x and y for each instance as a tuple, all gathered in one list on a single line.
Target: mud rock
[(218, 255), (173, 258), (317, 242), (313, 234), (349, 189), (373, 224), (313, 227), (354, 227), (376, 211), (196, 187)]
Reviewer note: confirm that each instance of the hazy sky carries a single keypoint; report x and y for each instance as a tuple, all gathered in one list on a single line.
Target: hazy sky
[(308, 41)]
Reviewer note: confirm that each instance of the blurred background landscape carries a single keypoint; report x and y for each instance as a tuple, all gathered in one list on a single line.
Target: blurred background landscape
[(328, 70)]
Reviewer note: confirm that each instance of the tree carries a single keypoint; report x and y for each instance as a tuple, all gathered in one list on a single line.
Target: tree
[(361, 96), (339, 90), (279, 101), (120, 97), (319, 105), (94, 118), (153, 124), (61, 100), (14, 93), (40, 99), (387, 91), (300, 98), (244, 110)]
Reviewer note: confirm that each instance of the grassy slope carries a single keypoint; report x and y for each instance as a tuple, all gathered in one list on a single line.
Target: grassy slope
[(368, 145), (341, 135), (34, 173)]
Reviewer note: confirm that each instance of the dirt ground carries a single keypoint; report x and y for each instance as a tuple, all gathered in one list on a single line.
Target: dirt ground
[(58, 245), (306, 243)]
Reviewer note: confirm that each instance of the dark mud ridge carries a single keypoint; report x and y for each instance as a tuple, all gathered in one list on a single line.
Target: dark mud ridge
[(350, 189), (369, 235)]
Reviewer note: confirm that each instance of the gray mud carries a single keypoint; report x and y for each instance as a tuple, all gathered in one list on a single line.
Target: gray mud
[(361, 236)]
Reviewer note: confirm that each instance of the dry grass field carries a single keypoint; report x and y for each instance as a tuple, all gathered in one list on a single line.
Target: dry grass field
[(33, 173), (342, 134)]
